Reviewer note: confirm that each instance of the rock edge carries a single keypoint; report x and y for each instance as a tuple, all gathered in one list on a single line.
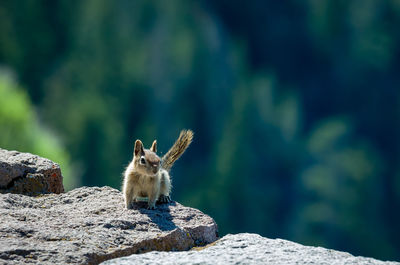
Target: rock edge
[(250, 249)]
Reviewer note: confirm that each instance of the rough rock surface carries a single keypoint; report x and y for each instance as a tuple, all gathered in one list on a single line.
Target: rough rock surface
[(28, 174), (91, 225), (249, 249)]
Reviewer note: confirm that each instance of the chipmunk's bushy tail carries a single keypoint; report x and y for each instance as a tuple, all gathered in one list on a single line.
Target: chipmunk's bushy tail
[(180, 145)]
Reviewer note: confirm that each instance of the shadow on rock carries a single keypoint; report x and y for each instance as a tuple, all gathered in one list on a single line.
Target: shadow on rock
[(161, 216)]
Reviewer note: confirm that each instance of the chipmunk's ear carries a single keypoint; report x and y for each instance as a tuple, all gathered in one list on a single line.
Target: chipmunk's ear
[(138, 148), (154, 146)]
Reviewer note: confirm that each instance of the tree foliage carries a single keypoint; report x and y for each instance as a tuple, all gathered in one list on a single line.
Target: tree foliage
[(21, 129), (295, 106)]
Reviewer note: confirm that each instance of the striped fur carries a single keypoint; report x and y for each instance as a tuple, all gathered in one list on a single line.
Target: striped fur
[(183, 141)]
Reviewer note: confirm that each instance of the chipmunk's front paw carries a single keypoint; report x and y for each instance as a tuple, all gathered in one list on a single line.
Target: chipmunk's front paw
[(130, 203), (164, 199)]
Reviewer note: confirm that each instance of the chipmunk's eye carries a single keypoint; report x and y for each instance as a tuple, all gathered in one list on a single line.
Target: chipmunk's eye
[(142, 160)]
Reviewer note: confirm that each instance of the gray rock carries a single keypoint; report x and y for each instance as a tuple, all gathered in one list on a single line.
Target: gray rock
[(28, 174), (91, 225), (249, 249)]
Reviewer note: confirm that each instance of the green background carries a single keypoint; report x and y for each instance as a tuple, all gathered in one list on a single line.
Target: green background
[(294, 105)]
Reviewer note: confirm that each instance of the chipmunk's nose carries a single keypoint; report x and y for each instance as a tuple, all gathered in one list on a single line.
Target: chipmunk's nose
[(155, 168)]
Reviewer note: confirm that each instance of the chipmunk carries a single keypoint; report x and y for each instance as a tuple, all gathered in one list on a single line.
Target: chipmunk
[(148, 175)]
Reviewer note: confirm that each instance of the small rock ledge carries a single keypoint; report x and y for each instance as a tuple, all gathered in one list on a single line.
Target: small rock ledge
[(250, 249), (89, 225), (29, 174)]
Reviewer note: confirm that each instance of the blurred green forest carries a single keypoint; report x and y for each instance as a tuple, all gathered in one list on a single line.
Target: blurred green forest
[(295, 106)]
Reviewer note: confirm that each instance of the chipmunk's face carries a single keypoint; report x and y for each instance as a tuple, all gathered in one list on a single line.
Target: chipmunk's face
[(146, 160)]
